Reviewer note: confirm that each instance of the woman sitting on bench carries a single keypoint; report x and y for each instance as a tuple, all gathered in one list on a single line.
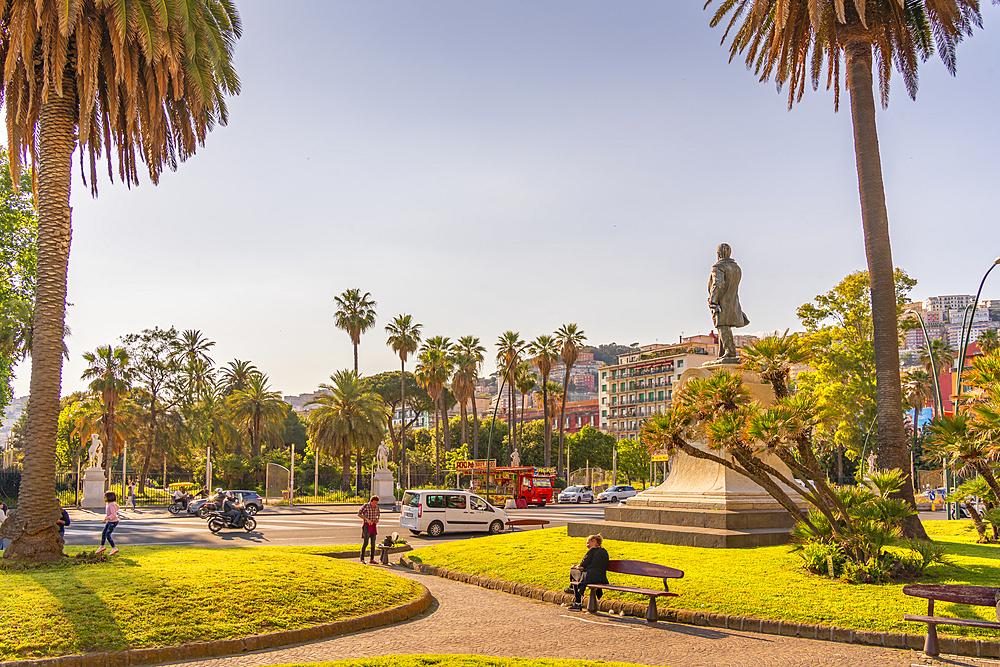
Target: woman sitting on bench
[(593, 569)]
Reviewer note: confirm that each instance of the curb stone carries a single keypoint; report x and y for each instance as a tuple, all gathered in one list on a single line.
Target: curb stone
[(973, 648), (225, 647)]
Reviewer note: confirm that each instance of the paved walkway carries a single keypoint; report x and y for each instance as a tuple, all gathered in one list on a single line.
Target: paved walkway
[(470, 619)]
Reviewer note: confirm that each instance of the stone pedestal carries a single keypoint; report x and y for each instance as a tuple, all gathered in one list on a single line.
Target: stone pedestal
[(93, 489), (702, 503), (383, 486)]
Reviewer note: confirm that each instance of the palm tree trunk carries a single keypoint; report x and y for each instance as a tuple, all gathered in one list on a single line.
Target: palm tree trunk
[(475, 427), (892, 450), (32, 526), (402, 418), (520, 428), (355, 357), (437, 439), (465, 426), (445, 428), (345, 467), (547, 431), (562, 414)]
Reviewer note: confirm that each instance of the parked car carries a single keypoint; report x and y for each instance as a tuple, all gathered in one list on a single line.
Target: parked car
[(577, 494), (616, 493), (436, 511)]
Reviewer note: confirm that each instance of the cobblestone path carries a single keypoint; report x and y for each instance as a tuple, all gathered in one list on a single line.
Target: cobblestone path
[(470, 619)]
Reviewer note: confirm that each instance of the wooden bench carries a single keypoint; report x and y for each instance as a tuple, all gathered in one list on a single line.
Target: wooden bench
[(513, 524), (639, 568), (981, 596)]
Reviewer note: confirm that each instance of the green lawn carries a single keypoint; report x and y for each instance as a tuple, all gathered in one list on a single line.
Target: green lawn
[(460, 661), (767, 582), (163, 596)]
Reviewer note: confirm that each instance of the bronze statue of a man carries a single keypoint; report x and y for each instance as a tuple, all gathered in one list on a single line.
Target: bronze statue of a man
[(724, 301)]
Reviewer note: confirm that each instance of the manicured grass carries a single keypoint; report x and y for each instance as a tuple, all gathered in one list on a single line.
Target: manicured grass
[(163, 596), (767, 582), (460, 661)]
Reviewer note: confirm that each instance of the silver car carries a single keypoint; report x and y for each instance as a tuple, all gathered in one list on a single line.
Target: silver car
[(577, 494), (616, 493)]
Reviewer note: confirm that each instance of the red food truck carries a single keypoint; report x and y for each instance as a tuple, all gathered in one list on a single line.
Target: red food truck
[(525, 484)]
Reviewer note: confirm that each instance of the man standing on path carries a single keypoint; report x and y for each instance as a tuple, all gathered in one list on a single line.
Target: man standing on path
[(369, 514)]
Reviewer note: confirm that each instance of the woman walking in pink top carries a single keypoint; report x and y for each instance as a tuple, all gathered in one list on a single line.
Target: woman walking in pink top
[(110, 521)]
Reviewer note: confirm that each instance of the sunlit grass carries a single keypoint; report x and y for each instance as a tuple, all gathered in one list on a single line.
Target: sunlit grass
[(766, 582), (163, 596)]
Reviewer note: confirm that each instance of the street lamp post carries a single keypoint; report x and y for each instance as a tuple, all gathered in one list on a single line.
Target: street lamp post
[(966, 334)]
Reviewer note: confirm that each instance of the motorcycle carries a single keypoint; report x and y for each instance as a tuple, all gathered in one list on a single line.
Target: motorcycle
[(180, 503), (217, 521)]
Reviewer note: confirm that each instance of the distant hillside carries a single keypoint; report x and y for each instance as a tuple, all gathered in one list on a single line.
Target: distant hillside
[(608, 353)]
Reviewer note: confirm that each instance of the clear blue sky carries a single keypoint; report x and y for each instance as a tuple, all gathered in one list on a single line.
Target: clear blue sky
[(518, 165)]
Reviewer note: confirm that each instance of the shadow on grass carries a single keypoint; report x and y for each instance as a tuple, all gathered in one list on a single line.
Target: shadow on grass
[(95, 627)]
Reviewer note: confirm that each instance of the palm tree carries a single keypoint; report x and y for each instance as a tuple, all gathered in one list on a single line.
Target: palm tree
[(959, 443), (463, 385), (348, 418), (135, 81), (570, 339), (110, 377), (235, 375), (355, 315), (525, 383), (918, 386), (404, 339), (989, 341), (17, 324), (545, 350), (259, 410), (938, 356), (509, 347), (790, 39), (470, 345), (433, 370)]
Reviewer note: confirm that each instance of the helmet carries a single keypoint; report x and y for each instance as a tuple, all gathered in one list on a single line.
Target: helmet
[(219, 490)]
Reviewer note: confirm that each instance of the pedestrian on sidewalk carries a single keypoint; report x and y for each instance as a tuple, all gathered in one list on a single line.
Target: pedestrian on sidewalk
[(593, 569), (110, 521), (131, 495), (62, 522), (369, 514)]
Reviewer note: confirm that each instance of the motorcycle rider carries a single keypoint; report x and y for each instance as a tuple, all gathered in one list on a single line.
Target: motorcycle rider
[(231, 510), (218, 499)]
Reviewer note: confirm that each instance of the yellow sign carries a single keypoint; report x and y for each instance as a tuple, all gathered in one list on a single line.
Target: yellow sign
[(545, 472), (656, 458), (475, 465)]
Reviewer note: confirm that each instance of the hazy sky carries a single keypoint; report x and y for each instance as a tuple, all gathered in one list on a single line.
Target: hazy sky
[(487, 166)]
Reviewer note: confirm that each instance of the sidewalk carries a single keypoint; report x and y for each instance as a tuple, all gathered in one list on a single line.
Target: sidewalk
[(160, 511), (470, 619)]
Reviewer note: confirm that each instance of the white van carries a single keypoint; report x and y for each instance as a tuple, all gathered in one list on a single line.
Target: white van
[(437, 511)]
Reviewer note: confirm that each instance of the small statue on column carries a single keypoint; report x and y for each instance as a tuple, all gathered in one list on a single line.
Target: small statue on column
[(724, 302), (95, 452)]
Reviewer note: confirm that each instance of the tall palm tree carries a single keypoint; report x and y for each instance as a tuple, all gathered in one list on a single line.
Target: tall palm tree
[(404, 339), (463, 385), (918, 386), (570, 338), (348, 418), (509, 347), (790, 39), (235, 375), (434, 367), (110, 378), (443, 344), (470, 345), (545, 352), (938, 356), (525, 383), (355, 315), (135, 81), (259, 410)]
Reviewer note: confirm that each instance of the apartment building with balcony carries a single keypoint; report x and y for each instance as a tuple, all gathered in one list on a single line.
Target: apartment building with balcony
[(642, 382)]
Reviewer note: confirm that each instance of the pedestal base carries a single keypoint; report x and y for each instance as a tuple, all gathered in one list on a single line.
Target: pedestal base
[(702, 503), (93, 489), (383, 486)]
